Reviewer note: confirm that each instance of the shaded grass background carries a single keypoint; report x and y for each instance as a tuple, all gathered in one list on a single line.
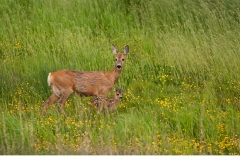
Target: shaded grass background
[(181, 78)]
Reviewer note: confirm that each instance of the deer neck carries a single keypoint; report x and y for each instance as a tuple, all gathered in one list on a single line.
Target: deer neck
[(116, 102), (113, 75)]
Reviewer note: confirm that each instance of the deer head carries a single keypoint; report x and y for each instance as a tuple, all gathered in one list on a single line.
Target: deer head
[(120, 57)]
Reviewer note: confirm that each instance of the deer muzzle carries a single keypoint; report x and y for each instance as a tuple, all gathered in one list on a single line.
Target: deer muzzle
[(119, 66)]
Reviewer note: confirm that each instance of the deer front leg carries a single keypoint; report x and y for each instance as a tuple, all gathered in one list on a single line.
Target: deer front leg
[(63, 99), (99, 105), (53, 98), (93, 102), (101, 98), (103, 105)]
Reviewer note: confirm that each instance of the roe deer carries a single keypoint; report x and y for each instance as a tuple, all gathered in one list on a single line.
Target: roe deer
[(97, 83), (109, 104)]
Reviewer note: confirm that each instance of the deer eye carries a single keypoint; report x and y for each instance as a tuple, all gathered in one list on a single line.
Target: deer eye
[(117, 94), (123, 59), (115, 59)]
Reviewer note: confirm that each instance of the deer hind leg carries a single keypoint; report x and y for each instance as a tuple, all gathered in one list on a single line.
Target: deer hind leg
[(53, 98), (63, 99)]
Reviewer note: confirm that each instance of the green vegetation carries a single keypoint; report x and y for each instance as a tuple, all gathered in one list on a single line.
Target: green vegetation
[(181, 79)]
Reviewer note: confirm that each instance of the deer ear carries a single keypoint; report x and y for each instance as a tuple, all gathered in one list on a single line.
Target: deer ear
[(126, 49), (114, 50)]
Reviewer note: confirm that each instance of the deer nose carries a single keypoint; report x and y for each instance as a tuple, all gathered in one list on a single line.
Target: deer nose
[(119, 66)]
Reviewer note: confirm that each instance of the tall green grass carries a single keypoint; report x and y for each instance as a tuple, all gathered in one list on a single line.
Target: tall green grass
[(181, 79)]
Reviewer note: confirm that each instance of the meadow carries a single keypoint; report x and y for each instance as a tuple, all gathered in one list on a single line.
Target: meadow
[(181, 79)]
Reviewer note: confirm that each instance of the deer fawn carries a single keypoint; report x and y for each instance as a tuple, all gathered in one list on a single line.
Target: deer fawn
[(110, 104), (97, 83)]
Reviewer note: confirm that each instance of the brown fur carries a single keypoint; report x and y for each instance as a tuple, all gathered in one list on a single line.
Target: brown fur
[(96, 84), (109, 104)]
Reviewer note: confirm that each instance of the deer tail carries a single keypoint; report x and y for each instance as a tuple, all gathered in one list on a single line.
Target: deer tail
[(49, 79)]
